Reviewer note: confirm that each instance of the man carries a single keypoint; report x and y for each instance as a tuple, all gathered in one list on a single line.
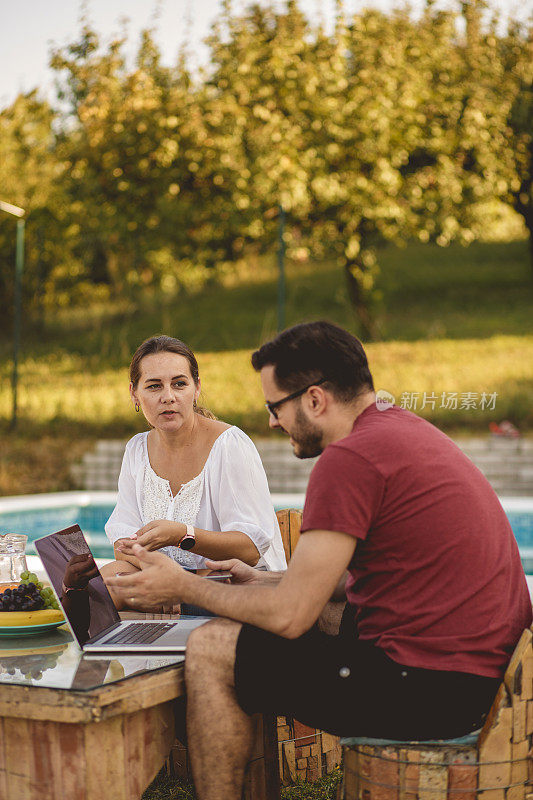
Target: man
[(437, 597)]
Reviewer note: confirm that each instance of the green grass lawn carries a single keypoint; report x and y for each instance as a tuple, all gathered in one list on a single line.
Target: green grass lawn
[(452, 320), (165, 788), (64, 395)]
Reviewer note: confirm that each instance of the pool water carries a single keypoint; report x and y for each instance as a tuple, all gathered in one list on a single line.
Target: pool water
[(91, 518), (39, 522), (522, 525), (39, 515)]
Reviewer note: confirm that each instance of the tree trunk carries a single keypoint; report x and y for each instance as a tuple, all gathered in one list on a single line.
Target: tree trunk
[(526, 211), (528, 216), (367, 323), (116, 271)]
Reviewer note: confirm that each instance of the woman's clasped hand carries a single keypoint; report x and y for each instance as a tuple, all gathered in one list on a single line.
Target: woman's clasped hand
[(153, 536)]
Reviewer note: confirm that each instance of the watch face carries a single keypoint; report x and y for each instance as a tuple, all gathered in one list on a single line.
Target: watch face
[(187, 543)]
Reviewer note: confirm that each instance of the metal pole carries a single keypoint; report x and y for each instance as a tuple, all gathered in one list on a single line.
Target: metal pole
[(19, 266), (16, 211), (281, 270)]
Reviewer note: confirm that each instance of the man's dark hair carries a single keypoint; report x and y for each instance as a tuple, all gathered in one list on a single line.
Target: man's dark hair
[(313, 350)]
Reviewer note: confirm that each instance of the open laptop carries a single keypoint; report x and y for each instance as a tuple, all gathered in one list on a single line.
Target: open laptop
[(91, 613)]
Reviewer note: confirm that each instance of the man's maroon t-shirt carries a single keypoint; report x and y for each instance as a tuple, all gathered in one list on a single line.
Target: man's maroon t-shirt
[(436, 576)]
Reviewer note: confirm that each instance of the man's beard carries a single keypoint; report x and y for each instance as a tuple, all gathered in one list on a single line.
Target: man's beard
[(307, 437)]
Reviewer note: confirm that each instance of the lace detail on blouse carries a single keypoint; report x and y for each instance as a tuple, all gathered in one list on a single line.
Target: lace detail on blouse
[(158, 502)]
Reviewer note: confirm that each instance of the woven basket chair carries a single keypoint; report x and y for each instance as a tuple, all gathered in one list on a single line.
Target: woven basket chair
[(492, 764)]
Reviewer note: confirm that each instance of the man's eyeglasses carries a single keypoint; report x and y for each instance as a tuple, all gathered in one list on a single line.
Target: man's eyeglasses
[(272, 407)]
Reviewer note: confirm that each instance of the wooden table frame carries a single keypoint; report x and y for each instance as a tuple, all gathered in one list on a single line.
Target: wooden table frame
[(59, 743), (67, 743), (64, 743)]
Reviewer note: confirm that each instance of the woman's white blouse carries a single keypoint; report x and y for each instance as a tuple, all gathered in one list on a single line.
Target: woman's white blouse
[(229, 494)]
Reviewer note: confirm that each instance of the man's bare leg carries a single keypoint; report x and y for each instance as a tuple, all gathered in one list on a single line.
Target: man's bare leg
[(330, 618), (219, 733)]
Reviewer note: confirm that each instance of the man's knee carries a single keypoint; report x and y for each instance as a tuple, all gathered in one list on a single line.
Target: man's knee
[(212, 645)]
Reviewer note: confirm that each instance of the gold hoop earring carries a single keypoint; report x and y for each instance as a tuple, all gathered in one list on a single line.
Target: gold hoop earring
[(137, 407)]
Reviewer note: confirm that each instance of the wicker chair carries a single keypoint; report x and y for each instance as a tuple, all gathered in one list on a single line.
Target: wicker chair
[(493, 764)]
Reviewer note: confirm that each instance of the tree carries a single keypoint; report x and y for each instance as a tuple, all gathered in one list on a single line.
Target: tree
[(518, 59), (390, 129), (128, 142)]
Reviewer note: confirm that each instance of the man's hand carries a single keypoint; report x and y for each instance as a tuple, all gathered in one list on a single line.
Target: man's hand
[(157, 584), (242, 573), (80, 570), (153, 536)]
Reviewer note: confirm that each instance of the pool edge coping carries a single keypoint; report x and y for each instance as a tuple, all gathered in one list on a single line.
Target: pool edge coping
[(84, 497)]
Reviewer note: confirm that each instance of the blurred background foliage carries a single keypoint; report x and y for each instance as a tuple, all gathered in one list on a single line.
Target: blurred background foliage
[(143, 181)]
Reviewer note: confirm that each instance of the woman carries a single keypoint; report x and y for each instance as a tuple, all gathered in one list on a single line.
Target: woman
[(193, 487)]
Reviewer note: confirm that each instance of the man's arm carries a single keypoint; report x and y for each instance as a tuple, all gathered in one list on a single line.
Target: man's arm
[(244, 574), (288, 609)]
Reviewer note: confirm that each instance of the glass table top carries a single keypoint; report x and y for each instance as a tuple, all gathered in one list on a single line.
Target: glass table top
[(54, 660)]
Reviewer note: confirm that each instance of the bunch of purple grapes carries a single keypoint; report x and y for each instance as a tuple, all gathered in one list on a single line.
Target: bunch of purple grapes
[(47, 593), (25, 597)]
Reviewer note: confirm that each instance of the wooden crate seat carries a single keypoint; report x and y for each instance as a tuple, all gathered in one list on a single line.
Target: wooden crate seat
[(305, 754), (494, 763), (290, 522)]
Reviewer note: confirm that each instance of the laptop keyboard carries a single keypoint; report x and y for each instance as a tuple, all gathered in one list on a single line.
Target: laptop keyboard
[(140, 633)]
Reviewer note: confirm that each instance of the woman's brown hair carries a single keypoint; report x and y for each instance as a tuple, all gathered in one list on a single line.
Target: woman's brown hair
[(166, 344)]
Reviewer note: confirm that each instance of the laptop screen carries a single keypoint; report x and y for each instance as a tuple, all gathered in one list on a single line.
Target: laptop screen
[(69, 563)]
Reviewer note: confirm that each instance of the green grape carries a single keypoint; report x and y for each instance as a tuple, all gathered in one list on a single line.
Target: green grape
[(25, 575), (47, 596), (32, 578), (39, 585)]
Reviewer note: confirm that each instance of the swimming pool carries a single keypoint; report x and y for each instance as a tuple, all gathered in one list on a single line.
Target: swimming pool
[(519, 511), (37, 515)]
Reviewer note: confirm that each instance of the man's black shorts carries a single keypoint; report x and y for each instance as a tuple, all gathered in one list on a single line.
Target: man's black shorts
[(349, 687)]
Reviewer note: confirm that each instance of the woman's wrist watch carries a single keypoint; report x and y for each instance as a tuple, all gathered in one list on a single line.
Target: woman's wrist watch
[(188, 541)]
